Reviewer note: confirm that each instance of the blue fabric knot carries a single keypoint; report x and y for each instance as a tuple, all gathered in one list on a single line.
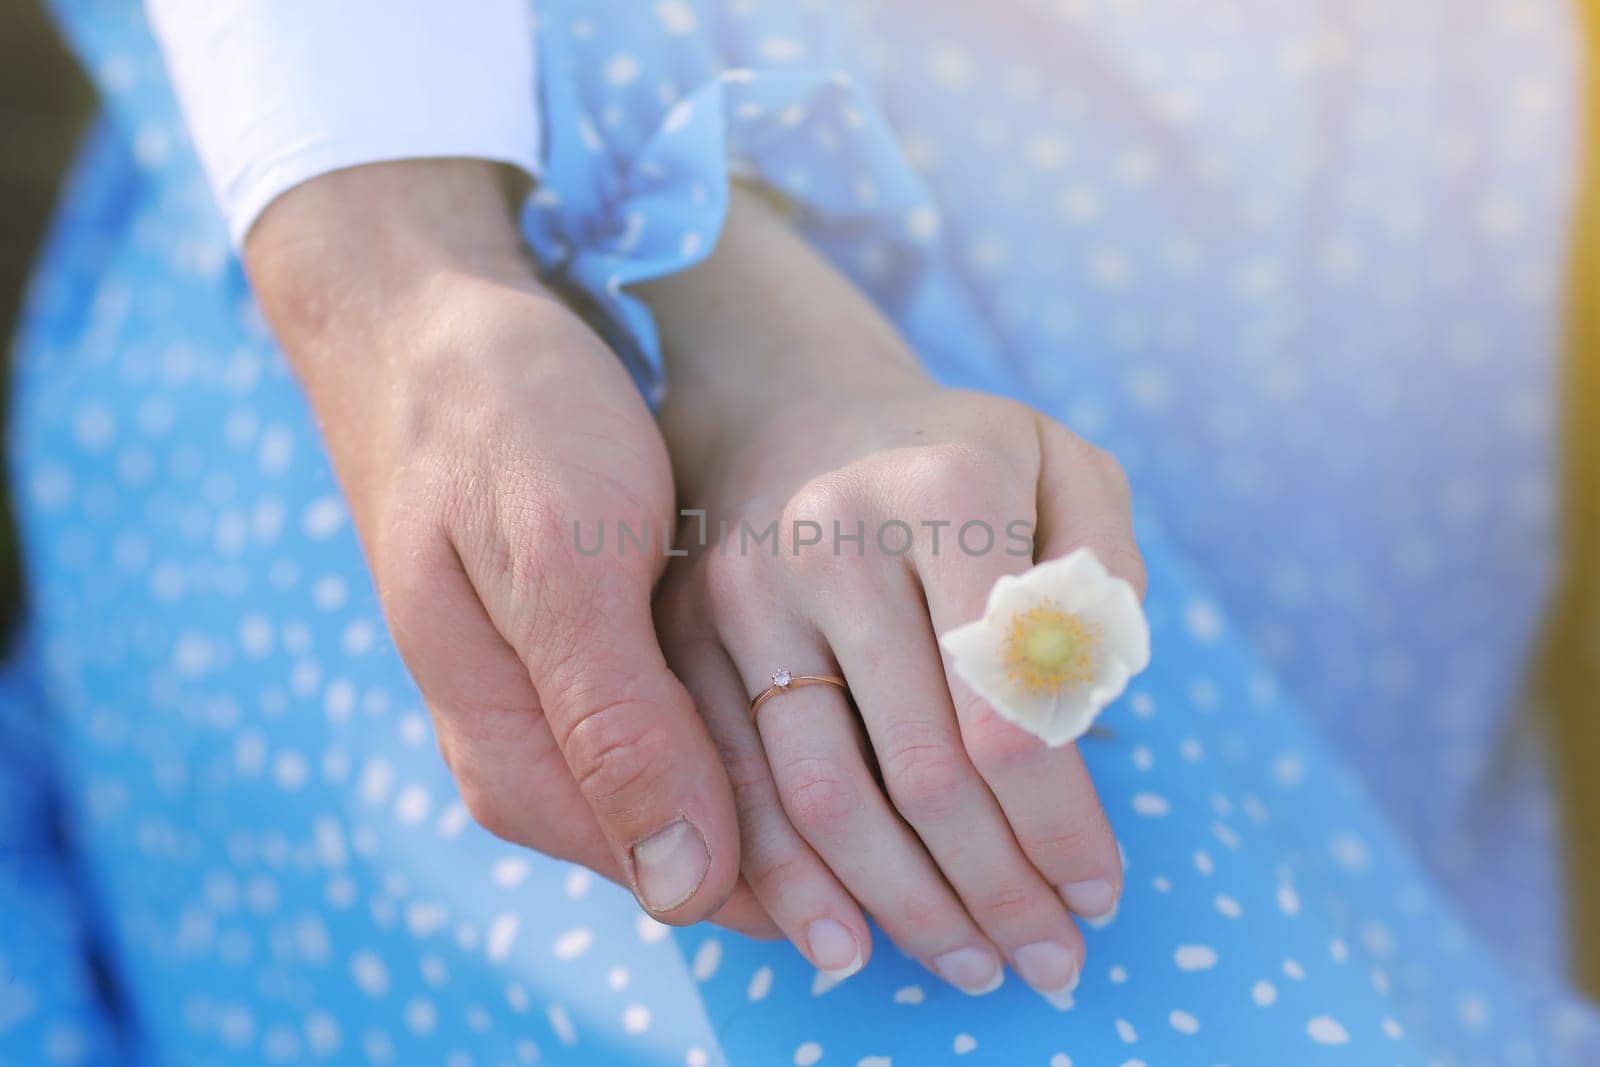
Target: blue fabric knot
[(635, 184)]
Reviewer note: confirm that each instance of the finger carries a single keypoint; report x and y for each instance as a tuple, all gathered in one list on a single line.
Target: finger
[(1084, 502), (815, 751), (905, 704), (745, 913), (508, 769), (788, 880), (626, 727), (1046, 793), (1050, 801), (487, 720)]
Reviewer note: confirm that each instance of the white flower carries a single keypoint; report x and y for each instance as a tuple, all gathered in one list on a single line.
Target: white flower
[(1056, 644)]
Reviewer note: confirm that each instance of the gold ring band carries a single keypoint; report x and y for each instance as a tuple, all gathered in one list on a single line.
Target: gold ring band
[(783, 681)]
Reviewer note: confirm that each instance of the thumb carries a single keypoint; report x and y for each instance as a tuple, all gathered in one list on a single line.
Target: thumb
[(629, 732)]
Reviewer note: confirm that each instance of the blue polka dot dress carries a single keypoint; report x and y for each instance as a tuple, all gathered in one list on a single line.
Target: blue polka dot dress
[(1295, 264)]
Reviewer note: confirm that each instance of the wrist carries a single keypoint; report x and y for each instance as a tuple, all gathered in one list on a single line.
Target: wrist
[(766, 313), (356, 257), (766, 322)]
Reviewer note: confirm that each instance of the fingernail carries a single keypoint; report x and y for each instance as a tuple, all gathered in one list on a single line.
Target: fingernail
[(1051, 969), (670, 864), (833, 949), (971, 970), (1095, 901)]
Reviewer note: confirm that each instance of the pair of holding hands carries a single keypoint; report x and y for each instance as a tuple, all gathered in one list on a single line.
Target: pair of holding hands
[(595, 707)]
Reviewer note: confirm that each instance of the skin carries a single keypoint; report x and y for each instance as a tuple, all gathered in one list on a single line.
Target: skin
[(793, 399), (470, 418)]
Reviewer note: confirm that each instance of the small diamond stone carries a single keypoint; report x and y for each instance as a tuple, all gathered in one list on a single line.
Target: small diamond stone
[(782, 679)]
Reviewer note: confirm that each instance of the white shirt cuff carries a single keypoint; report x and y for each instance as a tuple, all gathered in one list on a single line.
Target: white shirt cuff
[(276, 92)]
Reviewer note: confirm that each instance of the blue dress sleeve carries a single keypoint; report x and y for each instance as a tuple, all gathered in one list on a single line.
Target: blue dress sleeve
[(637, 165)]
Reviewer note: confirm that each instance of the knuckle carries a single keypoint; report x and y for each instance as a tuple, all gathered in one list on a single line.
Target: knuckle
[(1004, 903), (823, 500), (618, 756), (938, 476), (750, 778), (1101, 464), (775, 877), (997, 747), (1072, 836), (562, 629), (1082, 452), (529, 510), (923, 770), (818, 509), (530, 549), (923, 911), (515, 533), (819, 797), (1113, 472)]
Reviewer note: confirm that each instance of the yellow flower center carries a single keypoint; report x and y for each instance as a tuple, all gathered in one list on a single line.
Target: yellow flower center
[(1048, 649)]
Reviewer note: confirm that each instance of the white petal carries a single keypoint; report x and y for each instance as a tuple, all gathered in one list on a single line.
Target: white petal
[(976, 641), (1074, 712), (1077, 584), (1122, 624)]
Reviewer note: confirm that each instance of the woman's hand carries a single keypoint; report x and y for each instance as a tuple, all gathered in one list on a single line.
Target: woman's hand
[(794, 401), (472, 420)]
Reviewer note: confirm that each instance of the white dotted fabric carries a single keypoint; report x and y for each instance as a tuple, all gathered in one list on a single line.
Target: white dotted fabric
[(1295, 267)]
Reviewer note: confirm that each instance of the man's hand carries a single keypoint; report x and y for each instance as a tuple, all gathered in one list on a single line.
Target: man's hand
[(472, 419)]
